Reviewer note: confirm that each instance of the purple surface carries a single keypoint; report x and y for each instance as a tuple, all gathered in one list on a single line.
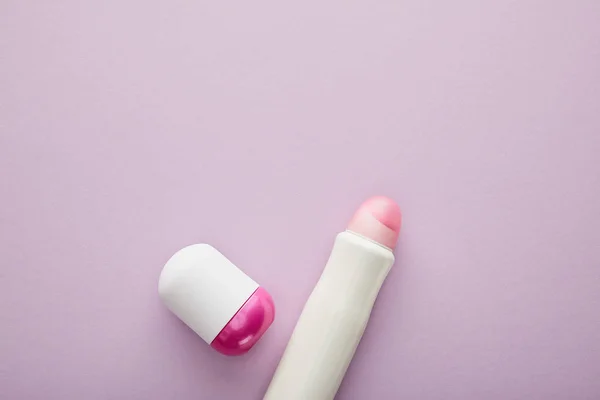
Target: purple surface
[(132, 128)]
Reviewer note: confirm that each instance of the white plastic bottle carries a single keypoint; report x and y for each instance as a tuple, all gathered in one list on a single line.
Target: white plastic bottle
[(336, 313)]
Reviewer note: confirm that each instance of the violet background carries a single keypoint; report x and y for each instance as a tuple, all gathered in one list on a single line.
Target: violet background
[(132, 128)]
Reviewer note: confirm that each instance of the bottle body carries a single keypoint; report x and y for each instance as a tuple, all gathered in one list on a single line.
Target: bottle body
[(332, 321)]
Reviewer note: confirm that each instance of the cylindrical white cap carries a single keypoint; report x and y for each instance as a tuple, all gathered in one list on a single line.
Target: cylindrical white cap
[(204, 289)]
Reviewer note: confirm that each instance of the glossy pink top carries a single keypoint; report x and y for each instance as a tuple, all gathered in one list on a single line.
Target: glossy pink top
[(379, 219), (247, 325)]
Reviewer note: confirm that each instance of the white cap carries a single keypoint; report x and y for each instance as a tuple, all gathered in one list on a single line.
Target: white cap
[(204, 289)]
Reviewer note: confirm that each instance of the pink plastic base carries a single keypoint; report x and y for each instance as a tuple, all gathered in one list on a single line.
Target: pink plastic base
[(247, 325)]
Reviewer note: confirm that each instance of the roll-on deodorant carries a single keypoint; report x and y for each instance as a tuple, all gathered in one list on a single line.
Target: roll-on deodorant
[(337, 311)]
